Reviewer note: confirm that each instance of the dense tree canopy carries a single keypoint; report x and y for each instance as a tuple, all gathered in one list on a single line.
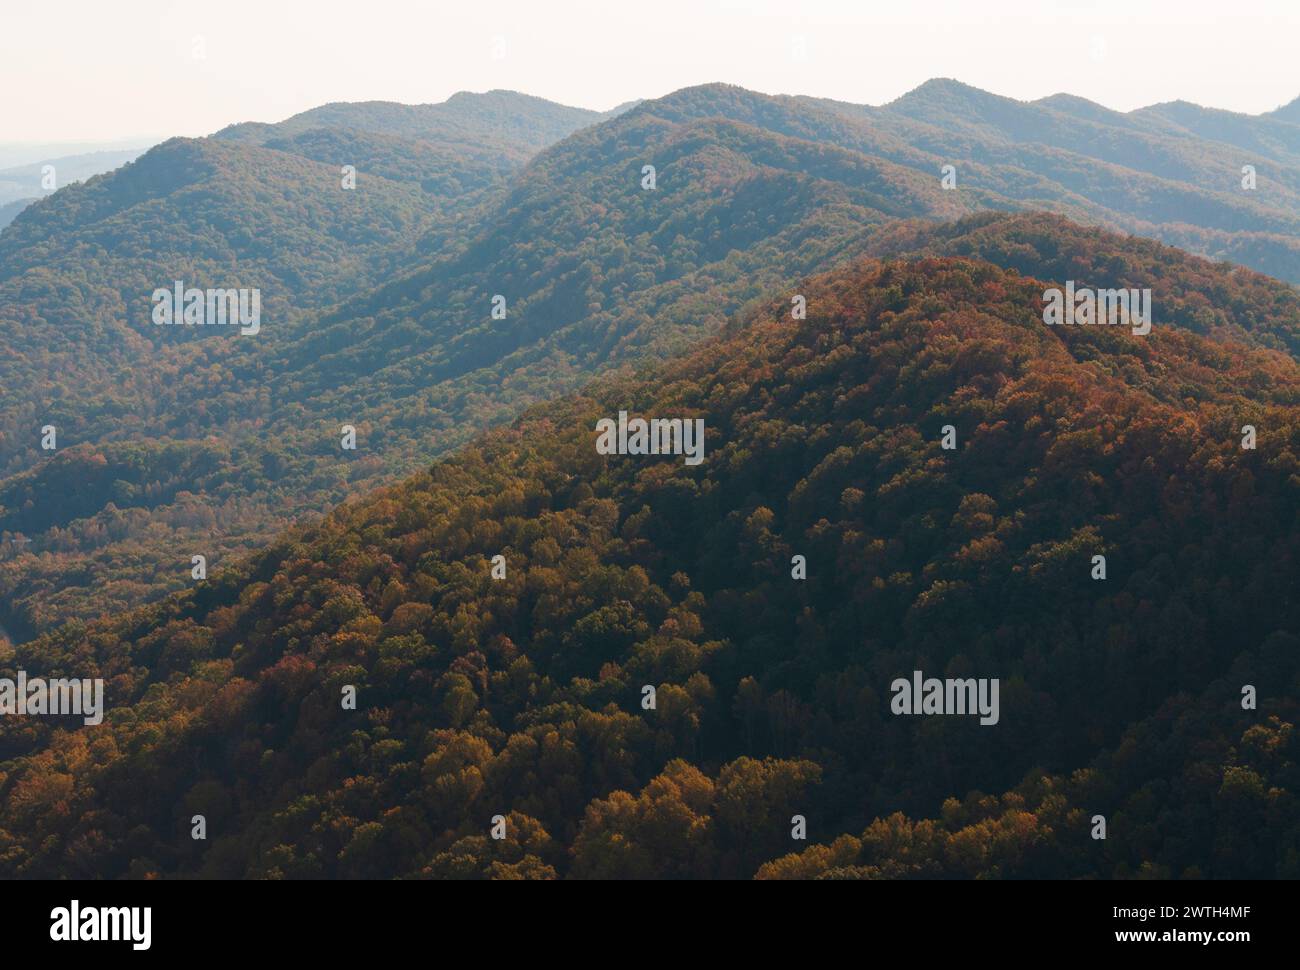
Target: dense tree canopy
[(377, 301), (522, 697)]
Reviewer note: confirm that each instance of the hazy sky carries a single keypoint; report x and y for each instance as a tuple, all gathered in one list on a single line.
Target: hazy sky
[(94, 69)]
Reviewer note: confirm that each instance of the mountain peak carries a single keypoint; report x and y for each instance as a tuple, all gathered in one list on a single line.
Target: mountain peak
[(707, 100), (698, 92), (1178, 104), (942, 87), (1077, 107), (503, 95)]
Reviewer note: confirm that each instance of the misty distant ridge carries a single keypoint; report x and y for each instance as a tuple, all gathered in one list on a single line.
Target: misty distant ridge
[(1171, 171), (16, 154), (946, 86), (518, 120), (9, 210), (508, 103), (26, 182), (524, 124)]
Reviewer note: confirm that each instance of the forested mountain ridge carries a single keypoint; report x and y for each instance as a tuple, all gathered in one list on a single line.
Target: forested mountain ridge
[(468, 142), (1216, 299), (522, 696), (380, 301), (1180, 180), (595, 271), (76, 275), (268, 207), (170, 212)]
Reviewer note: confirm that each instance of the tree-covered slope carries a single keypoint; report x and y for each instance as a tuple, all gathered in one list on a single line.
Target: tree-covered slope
[(521, 696), (594, 271), (380, 301), (1195, 294), (212, 214)]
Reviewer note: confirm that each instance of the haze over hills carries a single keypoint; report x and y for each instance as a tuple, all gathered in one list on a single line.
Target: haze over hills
[(378, 302), (1137, 172), (22, 184), (9, 211), (507, 120), (17, 154), (523, 695)]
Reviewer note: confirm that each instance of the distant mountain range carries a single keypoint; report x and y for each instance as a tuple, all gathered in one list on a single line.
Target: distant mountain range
[(17, 154)]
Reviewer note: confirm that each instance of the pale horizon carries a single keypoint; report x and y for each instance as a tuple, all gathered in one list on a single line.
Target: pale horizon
[(167, 68)]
